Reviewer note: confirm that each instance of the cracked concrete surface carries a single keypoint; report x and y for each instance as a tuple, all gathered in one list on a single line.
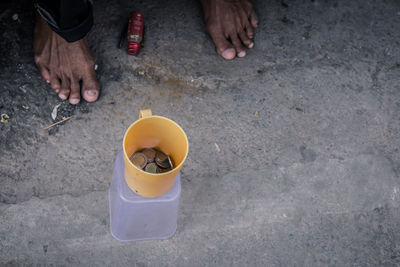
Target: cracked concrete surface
[(294, 150)]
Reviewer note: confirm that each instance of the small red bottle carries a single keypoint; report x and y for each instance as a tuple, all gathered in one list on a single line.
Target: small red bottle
[(135, 33)]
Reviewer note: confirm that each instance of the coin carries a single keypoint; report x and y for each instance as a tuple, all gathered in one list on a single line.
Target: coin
[(162, 170), (150, 154), (162, 159), (139, 160), (163, 164), (151, 168), (161, 156)]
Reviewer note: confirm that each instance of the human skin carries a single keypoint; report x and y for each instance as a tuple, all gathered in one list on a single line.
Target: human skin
[(231, 25), (69, 67)]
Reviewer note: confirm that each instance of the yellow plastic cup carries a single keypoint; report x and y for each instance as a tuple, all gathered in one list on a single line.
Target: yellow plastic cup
[(154, 132)]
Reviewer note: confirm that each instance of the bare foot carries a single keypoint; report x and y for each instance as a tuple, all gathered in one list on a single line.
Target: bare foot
[(231, 25), (67, 67)]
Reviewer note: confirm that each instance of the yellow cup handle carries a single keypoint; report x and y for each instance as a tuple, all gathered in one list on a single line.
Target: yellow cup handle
[(144, 113)]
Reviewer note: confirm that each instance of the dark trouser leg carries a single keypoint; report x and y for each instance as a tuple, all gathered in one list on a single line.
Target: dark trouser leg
[(71, 19)]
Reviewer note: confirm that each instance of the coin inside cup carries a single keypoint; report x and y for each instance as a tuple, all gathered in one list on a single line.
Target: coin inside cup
[(151, 167), (152, 160), (139, 160), (161, 170), (150, 154)]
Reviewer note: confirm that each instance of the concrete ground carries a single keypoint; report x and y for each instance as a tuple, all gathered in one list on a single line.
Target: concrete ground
[(294, 150)]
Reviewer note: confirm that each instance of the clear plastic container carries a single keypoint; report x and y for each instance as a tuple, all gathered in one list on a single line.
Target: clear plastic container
[(133, 217)]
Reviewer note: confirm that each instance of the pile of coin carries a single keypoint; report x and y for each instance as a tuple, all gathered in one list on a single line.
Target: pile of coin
[(152, 160)]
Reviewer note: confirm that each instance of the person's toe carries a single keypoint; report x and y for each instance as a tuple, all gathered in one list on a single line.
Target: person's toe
[(91, 93), (228, 53), (75, 95), (65, 89), (240, 51), (245, 39), (90, 88), (224, 48), (55, 83), (250, 31), (253, 19), (44, 72)]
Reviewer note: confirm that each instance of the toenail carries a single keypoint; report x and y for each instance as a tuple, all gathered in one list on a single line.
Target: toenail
[(91, 93), (228, 53), (47, 81), (251, 45), (241, 54), (62, 96), (74, 101)]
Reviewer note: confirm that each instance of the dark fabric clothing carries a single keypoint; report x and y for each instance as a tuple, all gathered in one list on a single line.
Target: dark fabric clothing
[(71, 19)]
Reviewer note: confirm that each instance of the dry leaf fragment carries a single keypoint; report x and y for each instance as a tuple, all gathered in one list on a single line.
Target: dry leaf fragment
[(54, 112), (217, 147)]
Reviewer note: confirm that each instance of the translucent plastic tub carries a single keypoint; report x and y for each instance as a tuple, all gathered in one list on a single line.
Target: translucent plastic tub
[(133, 217)]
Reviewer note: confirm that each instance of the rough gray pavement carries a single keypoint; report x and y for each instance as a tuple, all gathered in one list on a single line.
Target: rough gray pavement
[(294, 150)]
